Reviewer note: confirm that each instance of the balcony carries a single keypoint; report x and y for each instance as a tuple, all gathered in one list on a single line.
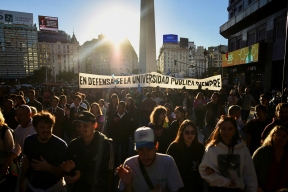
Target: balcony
[(255, 12)]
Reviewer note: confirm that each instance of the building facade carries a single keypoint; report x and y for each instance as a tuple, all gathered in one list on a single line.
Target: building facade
[(256, 33), (190, 61), (18, 51), (102, 57), (58, 51)]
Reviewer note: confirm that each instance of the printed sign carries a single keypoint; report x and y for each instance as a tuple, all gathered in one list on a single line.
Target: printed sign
[(14, 17), (148, 80), (241, 56)]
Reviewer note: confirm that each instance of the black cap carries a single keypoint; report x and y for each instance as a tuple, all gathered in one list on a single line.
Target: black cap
[(85, 117)]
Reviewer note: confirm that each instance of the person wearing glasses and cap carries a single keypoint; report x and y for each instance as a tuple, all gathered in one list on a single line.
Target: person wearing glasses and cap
[(91, 156), (187, 152), (149, 170)]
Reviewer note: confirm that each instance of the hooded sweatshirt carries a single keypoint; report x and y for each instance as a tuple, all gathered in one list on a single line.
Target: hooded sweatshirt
[(229, 164)]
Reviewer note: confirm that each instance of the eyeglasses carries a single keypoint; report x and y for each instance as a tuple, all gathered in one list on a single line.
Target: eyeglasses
[(189, 132)]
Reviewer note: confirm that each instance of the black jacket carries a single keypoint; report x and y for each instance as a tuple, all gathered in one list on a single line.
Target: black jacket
[(120, 130), (95, 162), (188, 160)]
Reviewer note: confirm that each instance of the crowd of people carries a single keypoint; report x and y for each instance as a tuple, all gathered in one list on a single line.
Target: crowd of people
[(142, 140)]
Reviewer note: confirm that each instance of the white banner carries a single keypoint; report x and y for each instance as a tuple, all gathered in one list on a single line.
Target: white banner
[(147, 80), (16, 17)]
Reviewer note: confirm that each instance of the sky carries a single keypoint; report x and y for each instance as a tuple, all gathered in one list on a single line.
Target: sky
[(198, 20)]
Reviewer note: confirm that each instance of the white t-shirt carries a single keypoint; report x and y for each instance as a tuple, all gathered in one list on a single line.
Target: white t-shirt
[(163, 170)]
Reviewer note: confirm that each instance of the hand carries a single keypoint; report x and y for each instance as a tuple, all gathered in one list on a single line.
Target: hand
[(67, 111), (73, 179), (209, 171), (116, 119), (125, 174), (231, 184), (41, 165), (67, 166), (75, 114)]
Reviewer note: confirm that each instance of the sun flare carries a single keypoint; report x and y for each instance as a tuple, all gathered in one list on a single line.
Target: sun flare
[(117, 23)]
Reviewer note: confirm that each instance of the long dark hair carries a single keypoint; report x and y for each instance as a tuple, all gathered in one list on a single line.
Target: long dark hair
[(216, 137), (131, 108), (180, 139)]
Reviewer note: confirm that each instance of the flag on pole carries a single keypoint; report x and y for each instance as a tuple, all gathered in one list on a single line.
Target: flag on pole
[(139, 88), (168, 73)]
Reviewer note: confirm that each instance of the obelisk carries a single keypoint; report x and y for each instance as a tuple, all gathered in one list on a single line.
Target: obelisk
[(147, 49)]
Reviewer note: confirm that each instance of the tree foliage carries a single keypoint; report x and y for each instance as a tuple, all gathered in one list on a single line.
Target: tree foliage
[(67, 76), (40, 74)]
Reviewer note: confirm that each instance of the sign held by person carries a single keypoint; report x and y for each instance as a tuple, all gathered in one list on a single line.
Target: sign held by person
[(148, 80)]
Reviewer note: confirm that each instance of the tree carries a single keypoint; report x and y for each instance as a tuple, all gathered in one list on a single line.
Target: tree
[(67, 76), (40, 74)]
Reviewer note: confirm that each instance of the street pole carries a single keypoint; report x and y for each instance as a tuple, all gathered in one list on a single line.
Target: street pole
[(46, 62)]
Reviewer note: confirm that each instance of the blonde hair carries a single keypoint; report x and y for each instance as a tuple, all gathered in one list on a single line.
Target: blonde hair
[(2, 120)]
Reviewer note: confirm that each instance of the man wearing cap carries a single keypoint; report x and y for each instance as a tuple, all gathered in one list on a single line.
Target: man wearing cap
[(91, 162), (148, 171)]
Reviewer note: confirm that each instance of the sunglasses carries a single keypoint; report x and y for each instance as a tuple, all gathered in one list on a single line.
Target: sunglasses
[(189, 132)]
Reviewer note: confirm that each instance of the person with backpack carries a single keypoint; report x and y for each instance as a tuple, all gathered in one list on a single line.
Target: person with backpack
[(6, 146)]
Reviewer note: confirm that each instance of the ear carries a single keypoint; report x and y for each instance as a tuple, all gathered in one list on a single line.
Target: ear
[(156, 146)]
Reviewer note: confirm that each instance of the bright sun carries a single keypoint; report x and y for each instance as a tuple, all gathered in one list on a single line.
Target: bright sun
[(117, 23)]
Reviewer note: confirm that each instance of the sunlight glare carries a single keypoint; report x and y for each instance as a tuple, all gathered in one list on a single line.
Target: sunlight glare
[(117, 23)]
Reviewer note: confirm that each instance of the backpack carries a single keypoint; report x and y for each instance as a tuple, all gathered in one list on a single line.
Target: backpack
[(3, 132)]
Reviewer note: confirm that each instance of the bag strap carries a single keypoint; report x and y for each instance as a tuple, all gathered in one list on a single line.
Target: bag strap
[(145, 175)]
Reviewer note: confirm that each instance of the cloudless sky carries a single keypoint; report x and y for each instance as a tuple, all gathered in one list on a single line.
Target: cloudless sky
[(198, 20)]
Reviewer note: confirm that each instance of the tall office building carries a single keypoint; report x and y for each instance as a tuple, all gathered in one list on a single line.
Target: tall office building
[(18, 45), (147, 50)]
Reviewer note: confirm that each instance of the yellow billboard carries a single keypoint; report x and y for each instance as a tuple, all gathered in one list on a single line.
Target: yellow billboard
[(241, 56)]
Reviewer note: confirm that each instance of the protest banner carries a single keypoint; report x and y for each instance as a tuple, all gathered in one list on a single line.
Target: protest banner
[(147, 80)]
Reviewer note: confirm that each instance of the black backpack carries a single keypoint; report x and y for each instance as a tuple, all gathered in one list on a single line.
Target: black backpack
[(3, 132)]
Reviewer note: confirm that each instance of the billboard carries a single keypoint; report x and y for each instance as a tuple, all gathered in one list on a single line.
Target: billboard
[(170, 38), (14, 17), (183, 42), (245, 55), (48, 23)]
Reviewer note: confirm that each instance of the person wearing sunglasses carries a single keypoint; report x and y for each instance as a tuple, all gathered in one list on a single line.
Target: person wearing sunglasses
[(187, 153)]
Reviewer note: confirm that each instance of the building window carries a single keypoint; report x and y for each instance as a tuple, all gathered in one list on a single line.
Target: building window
[(231, 14), (262, 34), (249, 2), (240, 8), (233, 45), (251, 38), (280, 28), (239, 43)]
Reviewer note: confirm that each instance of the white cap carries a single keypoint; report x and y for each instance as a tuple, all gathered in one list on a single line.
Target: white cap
[(144, 137)]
